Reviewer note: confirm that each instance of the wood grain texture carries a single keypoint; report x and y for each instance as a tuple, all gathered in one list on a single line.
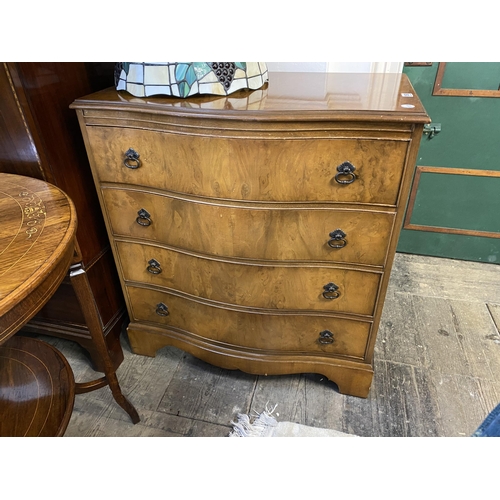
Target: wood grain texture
[(40, 138), (266, 232), (465, 328), (351, 377), (208, 386), (79, 279), (16, 140), (474, 282), (351, 98), (247, 182), (267, 286), (48, 89), (246, 169), (494, 310), (297, 332), (408, 396), (37, 237), (440, 90), (36, 389), (37, 230)]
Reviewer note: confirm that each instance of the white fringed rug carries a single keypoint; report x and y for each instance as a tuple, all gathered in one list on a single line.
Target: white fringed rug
[(265, 425)]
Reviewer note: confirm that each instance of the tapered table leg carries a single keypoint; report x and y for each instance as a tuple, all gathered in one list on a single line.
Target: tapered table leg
[(79, 281)]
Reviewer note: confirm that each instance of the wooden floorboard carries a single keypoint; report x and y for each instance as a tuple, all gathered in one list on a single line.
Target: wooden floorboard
[(494, 310), (446, 278), (203, 392), (451, 336), (437, 371)]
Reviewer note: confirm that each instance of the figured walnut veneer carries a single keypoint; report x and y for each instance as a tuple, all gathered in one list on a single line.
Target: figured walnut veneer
[(223, 216), (283, 233)]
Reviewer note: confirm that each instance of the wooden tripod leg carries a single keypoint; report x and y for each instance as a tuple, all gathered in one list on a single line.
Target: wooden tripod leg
[(79, 280)]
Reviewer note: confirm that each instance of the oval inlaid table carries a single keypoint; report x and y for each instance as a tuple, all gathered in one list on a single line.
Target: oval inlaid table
[(37, 387)]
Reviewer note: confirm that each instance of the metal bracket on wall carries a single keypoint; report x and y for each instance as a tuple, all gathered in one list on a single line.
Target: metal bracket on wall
[(431, 129)]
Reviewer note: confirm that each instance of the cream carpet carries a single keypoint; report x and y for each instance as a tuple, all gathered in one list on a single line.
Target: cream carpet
[(265, 425)]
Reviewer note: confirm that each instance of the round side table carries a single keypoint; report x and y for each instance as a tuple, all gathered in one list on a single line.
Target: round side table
[(37, 229)]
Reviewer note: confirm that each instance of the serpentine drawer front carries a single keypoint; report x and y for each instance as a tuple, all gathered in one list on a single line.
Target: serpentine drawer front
[(265, 331), (257, 231), (280, 168), (294, 233), (267, 286)]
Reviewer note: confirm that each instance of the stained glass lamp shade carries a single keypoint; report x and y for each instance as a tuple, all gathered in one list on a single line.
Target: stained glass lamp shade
[(184, 79)]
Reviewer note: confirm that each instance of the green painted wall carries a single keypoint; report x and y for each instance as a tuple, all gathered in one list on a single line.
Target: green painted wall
[(469, 139)]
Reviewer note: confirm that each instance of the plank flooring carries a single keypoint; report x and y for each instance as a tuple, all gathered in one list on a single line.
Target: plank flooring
[(437, 371)]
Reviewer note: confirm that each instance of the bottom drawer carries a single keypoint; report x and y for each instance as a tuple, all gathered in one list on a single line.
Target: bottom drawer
[(272, 332)]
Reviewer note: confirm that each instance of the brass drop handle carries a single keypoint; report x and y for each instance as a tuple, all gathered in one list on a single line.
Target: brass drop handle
[(162, 309), (337, 239), (132, 159), (331, 291), (345, 173), (326, 337), (144, 218), (154, 267)]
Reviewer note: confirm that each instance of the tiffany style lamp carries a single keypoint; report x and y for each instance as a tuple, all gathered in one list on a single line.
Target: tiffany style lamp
[(184, 79)]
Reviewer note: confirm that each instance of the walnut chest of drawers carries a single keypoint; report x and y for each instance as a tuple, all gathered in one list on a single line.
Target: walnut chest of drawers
[(257, 231)]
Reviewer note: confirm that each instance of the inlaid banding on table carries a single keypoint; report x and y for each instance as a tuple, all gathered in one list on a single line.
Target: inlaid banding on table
[(34, 212)]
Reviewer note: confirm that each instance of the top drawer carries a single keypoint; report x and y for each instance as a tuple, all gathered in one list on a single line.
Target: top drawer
[(275, 169)]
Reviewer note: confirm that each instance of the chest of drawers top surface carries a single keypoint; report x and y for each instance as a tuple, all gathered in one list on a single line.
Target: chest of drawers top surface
[(308, 96)]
